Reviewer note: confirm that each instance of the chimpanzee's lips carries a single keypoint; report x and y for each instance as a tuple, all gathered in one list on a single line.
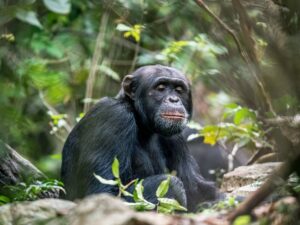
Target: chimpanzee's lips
[(173, 115)]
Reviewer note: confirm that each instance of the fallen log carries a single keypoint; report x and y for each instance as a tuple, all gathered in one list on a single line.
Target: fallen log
[(15, 169)]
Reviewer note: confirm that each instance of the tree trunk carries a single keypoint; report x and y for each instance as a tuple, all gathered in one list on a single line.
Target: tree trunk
[(15, 169)]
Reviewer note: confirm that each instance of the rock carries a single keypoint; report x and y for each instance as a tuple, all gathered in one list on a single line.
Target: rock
[(244, 191), (249, 176), (101, 209), (29, 213), (104, 209)]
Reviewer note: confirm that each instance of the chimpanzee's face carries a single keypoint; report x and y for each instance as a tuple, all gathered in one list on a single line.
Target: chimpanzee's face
[(163, 100)]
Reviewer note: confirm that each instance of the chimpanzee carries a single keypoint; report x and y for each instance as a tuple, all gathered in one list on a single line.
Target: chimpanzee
[(142, 127)]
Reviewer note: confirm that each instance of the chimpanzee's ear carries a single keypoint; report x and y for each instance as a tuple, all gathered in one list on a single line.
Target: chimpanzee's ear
[(127, 87)]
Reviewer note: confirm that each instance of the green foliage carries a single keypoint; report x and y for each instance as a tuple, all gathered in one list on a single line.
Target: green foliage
[(28, 17), (169, 205), (140, 203), (294, 183), (243, 128), (242, 220), (173, 49), (163, 188), (228, 203), (29, 191), (109, 72), (134, 31), (164, 205), (52, 83), (4, 200), (117, 181), (8, 37), (200, 46), (115, 168), (58, 6)]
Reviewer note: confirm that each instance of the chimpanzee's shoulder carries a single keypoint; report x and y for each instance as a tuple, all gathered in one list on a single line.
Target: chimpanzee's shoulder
[(111, 109)]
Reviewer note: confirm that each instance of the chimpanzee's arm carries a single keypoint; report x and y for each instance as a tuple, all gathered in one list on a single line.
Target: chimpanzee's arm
[(105, 132)]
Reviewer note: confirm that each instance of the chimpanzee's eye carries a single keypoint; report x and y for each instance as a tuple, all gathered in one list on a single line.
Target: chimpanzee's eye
[(161, 87), (179, 89)]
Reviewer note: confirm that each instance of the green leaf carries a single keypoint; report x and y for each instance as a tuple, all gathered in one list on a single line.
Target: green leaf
[(109, 72), (138, 191), (29, 17), (241, 115), (242, 220), (163, 188), (58, 6), (165, 210), (134, 31), (169, 203), (141, 206), (231, 201), (148, 205), (122, 27), (115, 168), (56, 156), (105, 181), (4, 199)]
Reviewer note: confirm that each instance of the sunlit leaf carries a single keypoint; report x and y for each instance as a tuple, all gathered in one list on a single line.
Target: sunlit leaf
[(122, 27), (56, 156), (210, 139), (115, 168), (134, 31), (242, 114), (58, 6), (29, 17), (193, 136), (138, 191), (163, 188), (242, 220), (171, 203), (109, 72), (141, 206), (105, 181)]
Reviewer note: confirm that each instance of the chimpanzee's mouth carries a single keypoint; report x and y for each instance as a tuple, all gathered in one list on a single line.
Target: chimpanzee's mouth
[(173, 115)]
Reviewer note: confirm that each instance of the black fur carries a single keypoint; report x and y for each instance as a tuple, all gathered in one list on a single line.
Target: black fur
[(127, 127)]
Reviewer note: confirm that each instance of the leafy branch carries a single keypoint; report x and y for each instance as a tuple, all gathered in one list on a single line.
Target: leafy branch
[(164, 205)]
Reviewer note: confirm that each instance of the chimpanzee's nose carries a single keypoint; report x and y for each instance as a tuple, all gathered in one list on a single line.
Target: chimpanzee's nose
[(173, 99)]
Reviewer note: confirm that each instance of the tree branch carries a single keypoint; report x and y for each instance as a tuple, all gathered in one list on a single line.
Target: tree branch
[(250, 53), (230, 31), (246, 27), (97, 54)]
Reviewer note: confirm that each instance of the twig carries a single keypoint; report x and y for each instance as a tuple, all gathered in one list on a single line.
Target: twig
[(130, 45), (231, 156), (136, 51), (54, 111), (258, 154), (224, 26), (292, 121), (97, 54), (250, 56), (243, 53), (58, 61)]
